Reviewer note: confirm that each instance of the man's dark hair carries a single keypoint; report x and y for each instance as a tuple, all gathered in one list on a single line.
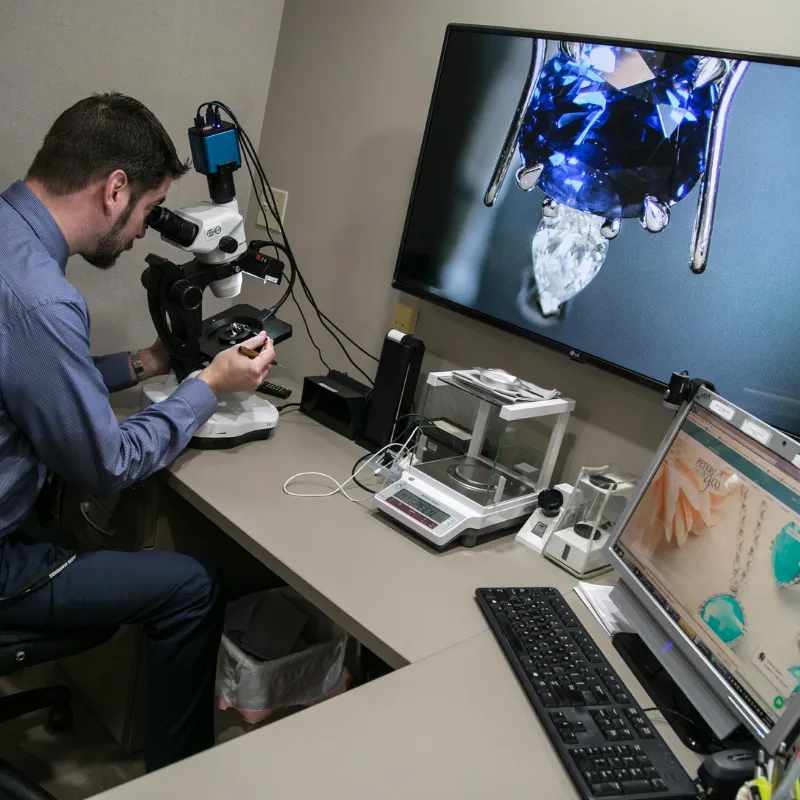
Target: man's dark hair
[(103, 133)]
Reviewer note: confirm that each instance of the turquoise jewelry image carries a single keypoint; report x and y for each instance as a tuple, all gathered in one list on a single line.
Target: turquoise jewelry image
[(786, 555), (796, 675), (723, 613)]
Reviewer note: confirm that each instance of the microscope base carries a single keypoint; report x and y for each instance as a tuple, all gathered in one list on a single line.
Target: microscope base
[(241, 416)]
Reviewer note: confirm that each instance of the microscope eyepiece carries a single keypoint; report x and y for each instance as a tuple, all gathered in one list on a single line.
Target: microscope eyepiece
[(172, 226)]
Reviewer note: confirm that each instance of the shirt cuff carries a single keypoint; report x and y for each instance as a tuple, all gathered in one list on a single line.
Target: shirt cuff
[(115, 371), (200, 398)]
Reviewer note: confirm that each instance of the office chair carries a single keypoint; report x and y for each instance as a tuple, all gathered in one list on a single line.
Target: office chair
[(18, 649)]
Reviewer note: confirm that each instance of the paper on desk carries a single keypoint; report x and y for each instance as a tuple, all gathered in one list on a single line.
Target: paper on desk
[(598, 601)]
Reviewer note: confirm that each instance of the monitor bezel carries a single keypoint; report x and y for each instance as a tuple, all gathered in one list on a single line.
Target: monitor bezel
[(787, 727), (539, 338)]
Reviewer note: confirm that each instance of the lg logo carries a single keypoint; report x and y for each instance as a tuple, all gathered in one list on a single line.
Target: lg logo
[(211, 232)]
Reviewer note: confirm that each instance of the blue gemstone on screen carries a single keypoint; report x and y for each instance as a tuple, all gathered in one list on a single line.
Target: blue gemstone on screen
[(616, 126)]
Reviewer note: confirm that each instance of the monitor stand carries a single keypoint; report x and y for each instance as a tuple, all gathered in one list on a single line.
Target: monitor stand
[(690, 727)]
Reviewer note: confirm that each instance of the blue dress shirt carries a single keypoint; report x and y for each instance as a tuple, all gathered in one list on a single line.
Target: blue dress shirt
[(54, 409)]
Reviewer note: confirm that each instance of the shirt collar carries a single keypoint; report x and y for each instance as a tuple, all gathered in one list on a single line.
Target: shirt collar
[(33, 211)]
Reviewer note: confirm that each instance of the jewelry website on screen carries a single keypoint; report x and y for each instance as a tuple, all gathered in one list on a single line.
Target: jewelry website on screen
[(716, 540)]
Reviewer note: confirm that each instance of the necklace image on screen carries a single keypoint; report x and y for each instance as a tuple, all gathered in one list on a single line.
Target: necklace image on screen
[(723, 613)]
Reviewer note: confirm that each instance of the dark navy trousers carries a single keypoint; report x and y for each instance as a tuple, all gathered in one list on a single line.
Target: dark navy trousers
[(174, 597)]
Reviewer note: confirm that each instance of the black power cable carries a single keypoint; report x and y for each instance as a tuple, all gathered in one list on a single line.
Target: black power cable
[(266, 196), (267, 191)]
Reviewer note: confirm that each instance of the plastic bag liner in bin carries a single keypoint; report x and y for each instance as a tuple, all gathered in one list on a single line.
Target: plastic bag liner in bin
[(258, 688)]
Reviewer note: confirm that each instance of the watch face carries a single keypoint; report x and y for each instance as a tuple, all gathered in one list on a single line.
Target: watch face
[(138, 367)]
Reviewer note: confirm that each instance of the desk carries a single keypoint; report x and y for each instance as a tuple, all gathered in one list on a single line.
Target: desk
[(454, 725), (402, 599)]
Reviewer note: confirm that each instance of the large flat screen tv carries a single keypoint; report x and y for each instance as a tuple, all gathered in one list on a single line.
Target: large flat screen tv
[(632, 204)]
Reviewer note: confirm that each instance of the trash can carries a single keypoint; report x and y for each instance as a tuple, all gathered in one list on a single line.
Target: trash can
[(278, 652)]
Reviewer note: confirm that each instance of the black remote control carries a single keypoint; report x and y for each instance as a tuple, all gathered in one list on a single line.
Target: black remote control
[(273, 389)]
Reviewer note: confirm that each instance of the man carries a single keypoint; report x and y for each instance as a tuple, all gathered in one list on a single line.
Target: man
[(103, 166)]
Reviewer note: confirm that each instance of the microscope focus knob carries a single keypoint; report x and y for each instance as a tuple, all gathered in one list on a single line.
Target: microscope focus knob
[(187, 295), (228, 245)]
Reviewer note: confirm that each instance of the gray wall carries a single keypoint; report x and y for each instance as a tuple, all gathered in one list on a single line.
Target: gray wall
[(346, 113), (171, 56)]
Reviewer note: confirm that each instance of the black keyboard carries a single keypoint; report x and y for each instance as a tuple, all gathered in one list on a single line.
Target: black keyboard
[(599, 731)]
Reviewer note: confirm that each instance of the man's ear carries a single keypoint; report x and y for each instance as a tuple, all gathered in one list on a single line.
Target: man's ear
[(116, 193)]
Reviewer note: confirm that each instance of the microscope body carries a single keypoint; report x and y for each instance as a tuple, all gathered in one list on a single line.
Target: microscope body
[(213, 233)]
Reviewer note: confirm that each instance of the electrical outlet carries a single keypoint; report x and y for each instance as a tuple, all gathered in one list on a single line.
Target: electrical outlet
[(405, 318), (281, 199)]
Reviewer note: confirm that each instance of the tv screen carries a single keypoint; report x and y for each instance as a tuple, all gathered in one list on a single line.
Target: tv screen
[(632, 204)]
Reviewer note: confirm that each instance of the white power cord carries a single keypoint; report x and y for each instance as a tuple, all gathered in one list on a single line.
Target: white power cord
[(340, 487)]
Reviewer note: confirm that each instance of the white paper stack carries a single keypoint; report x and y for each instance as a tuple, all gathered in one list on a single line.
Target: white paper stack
[(598, 601)]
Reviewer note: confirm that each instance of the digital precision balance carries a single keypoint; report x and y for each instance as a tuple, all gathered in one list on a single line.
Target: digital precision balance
[(488, 443)]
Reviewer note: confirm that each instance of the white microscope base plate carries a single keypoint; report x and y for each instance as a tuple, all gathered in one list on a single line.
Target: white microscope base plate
[(239, 413)]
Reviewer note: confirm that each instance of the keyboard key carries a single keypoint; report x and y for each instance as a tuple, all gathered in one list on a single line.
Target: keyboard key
[(579, 727), (614, 763), (611, 736), (650, 772), (622, 775), (657, 785), (623, 751), (606, 789), (548, 701), (643, 761), (625, 735), (637, 774), (600, 695), (568, 737), (581, 759), (606, 776), (629, 761), (591, 777), (601, 764), (646, 733), (636, 787)]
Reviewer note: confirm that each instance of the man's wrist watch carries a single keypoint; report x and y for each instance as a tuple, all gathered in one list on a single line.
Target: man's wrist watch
[(138, 367)]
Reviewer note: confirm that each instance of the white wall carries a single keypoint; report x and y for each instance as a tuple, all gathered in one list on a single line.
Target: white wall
[(171, 55), (345, 117)]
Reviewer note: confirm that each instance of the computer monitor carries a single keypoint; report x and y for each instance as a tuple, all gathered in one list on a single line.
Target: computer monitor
[(566, 189), (708, 556)]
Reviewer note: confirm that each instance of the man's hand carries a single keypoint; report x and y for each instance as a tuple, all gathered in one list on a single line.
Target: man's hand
[(155, 359), (230, 371)]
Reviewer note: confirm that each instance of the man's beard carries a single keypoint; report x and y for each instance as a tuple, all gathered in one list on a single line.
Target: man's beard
[(110, 245)]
